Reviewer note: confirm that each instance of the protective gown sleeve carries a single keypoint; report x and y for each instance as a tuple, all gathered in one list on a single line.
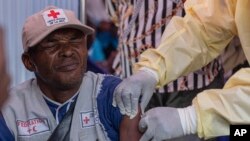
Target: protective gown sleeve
[(218, 108), (192, 41)]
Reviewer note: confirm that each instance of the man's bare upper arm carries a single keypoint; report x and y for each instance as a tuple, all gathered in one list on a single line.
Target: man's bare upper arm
[(129, 130)]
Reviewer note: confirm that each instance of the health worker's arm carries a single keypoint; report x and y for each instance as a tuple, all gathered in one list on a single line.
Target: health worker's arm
[(191, 42), (217, 109)]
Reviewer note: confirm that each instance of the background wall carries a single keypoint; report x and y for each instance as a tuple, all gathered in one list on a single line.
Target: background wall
[(12, 16)]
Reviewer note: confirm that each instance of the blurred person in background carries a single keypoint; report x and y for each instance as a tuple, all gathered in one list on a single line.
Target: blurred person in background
[(4, 83), (103, 47), (5, 79)]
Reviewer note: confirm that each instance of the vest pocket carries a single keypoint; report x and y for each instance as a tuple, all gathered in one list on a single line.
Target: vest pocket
[(35, 137), (88, 134)]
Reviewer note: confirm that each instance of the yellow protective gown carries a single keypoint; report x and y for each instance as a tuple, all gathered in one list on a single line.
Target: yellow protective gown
[(193, 41)]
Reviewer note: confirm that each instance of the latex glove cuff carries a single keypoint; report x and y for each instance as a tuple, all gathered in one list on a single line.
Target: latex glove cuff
[(188, 120)]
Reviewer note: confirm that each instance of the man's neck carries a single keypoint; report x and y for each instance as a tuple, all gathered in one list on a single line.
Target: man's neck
[(56, 94), (60, 97)]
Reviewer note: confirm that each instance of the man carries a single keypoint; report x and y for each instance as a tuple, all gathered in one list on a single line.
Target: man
[(62, 102), (4, 83), (187, 44)]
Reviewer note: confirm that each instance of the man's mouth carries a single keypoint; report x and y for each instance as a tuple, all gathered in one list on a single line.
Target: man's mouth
[(67, 67)]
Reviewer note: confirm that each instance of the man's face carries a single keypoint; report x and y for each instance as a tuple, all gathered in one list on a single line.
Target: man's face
[(60, 59)]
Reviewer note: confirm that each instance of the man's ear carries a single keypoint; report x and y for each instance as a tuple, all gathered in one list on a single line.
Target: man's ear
[(28, 62)]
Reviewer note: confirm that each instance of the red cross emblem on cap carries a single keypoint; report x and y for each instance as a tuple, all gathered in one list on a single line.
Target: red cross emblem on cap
[(53, 14)]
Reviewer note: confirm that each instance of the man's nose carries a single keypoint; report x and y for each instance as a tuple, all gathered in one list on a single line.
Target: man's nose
[(66, 50)]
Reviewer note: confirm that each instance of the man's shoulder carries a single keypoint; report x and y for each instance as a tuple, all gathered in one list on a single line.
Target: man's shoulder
[(22, 87), (105, 78), (107, 88), (111, 81)]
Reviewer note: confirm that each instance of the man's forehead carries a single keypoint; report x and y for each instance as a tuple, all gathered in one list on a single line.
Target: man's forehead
[(64, 31), (64, 34)]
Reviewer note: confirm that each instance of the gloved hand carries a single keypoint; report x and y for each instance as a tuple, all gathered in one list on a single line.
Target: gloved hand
[(167, 123), (128, 92)]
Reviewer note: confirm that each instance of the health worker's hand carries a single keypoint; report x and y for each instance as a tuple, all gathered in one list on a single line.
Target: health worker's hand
[(164, 123), (129, 91)]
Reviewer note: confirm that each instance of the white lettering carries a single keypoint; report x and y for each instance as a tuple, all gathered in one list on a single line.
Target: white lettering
[(239, 132), (243, 131)]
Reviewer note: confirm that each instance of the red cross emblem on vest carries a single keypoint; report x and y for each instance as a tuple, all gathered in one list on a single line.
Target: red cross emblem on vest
[(86, 120), (53, 14)]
